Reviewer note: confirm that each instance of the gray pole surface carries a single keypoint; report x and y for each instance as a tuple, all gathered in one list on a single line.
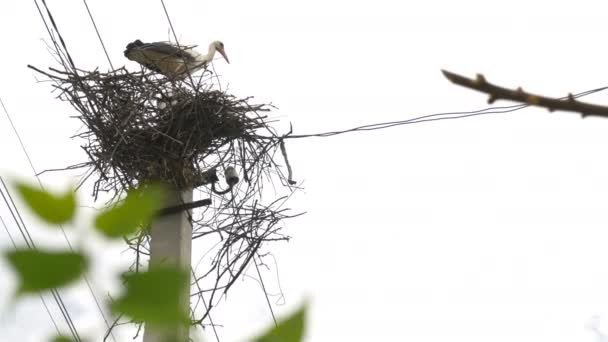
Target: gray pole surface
[(171, 244)]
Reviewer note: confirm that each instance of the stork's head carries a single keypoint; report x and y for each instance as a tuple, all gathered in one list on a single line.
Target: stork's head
[(219, 47), (135, 44)]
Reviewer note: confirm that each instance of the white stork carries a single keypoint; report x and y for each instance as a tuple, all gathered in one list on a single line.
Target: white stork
[(171, 60)]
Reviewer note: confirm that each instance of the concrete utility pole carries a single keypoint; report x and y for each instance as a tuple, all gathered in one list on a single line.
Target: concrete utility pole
[(171, 244)]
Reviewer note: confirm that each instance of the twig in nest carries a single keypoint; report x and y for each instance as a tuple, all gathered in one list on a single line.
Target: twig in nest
[(569, 104), (289, 171)]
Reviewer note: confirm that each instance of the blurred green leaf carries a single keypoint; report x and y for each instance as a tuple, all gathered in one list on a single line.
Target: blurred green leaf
[(154, 296), (62, 339), (135, 211), (290, 329), (52, 208), (42, 270)]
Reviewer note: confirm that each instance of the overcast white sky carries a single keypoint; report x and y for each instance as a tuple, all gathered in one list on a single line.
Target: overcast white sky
[(491, 228)]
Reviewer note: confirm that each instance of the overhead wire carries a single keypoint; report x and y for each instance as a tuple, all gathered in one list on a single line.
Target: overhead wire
[(48, 30), (54, 24), (98, 34), (265, 292), (59, 51), (46, 307), (177, 41), (193, 86), (26, 235), (87, 282), (103, 46), (217, 337), (30, 243), (432, 117)]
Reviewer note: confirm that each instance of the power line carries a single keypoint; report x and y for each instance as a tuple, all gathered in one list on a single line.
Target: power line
[(176, 40), (98, 34), (10, 120), (60, 53), (30, 243), (265, 293), (46, 307), (48, 30), (61, 226), (27, 238), (430, 117), (217, 337), (190, 218), (10, 236), (54, 24)]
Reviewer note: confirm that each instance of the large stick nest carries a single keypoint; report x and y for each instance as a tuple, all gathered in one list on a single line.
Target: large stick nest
[(142, 127)]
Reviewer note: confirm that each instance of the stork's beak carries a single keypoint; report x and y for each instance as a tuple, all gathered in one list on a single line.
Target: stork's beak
[(224, 55)]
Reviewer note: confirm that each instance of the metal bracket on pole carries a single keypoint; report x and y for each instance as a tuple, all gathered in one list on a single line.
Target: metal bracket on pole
[(182, 207)]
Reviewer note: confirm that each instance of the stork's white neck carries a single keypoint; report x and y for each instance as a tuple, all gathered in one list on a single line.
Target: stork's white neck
[(211, 52)]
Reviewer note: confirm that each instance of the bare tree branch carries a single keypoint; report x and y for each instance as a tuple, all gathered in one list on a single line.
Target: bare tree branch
[(568, 103)]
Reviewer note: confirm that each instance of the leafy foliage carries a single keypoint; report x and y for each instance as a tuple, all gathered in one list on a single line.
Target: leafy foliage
[(135, 211), (290, 329), (154, 296), (42, 270), (54, 209)]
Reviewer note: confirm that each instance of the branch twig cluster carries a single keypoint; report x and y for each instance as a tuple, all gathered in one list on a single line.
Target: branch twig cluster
[(570, 103)]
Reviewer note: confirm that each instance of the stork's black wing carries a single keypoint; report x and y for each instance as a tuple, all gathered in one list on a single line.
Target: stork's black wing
[(168, 50), (161, 57)]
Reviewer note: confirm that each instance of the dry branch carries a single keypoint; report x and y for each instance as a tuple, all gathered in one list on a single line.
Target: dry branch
[(519, 95)]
